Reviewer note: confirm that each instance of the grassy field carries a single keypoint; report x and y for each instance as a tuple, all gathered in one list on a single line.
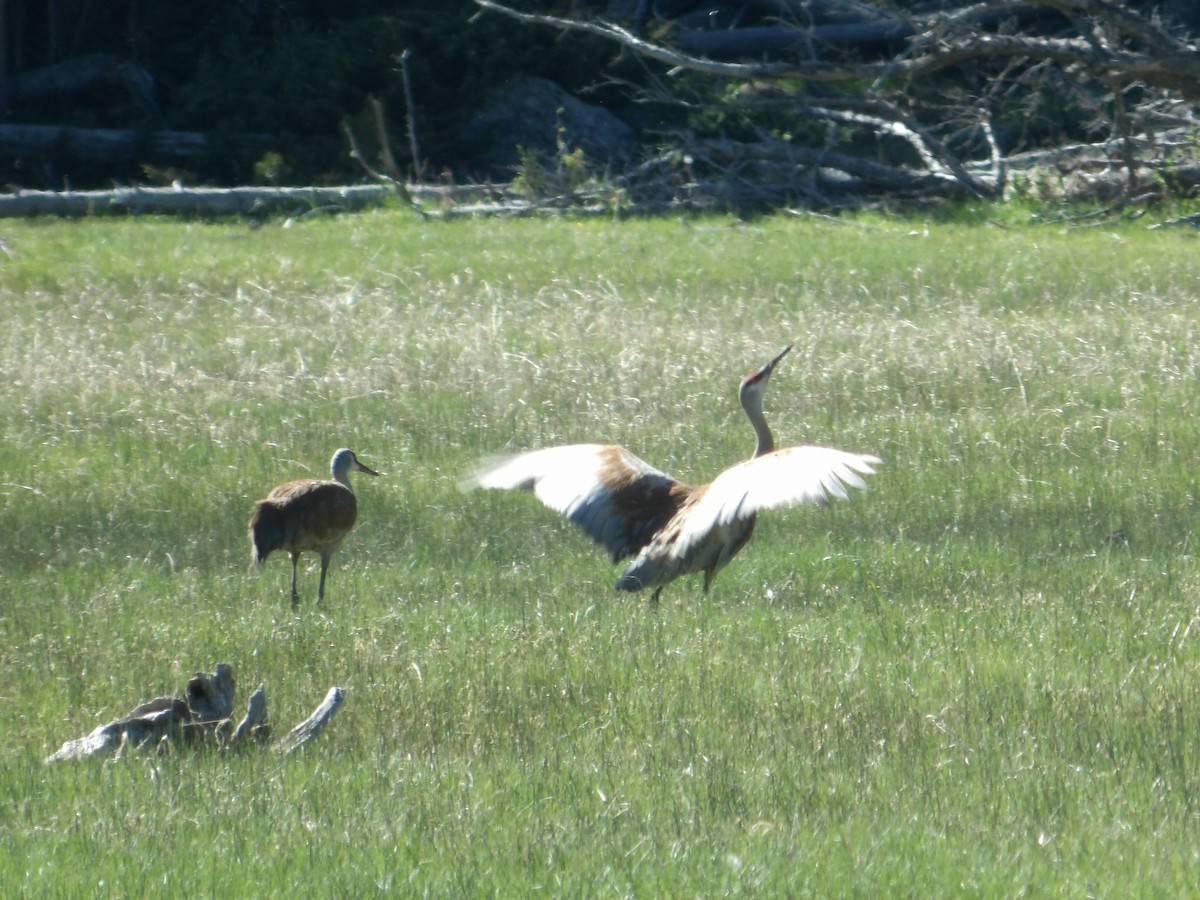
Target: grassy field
[(980, 677)]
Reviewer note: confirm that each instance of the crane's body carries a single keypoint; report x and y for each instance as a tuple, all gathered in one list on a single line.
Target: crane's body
[(670, 528), (310, 514)]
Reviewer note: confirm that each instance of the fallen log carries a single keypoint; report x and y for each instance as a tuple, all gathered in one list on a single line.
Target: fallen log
[(82, 75), (433, 201), (200, 719), (98, 144), (251, 201), (778, 40)]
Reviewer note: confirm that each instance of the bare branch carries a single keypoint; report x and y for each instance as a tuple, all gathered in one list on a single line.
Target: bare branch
[(1175, 64), (865, 69), (644, 48)]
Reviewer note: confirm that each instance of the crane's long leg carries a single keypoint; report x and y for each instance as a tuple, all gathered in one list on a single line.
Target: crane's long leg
[(654, 596), (325, 557), (295, 594)]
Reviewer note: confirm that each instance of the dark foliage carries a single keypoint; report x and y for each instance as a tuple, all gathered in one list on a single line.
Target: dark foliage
[(270, 80), (779, 100)]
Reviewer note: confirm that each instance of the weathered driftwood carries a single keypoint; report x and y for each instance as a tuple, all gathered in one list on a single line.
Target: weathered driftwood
[(314, 724), (201, 718)]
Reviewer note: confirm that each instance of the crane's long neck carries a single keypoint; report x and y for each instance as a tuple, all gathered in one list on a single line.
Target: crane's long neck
[(752, 403), (751, 394), (340, 469)]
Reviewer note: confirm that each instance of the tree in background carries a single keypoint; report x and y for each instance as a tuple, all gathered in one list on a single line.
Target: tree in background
[(737, 103)]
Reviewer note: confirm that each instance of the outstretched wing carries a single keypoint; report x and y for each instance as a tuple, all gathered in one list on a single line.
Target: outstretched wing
[(781, 478), (619, 500)]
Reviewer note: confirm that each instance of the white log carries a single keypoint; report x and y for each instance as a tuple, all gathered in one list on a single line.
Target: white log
[(308, 730)]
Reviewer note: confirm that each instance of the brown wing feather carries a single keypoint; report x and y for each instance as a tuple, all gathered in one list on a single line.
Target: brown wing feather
[(322, 512), (302, 515), (716, 520), (667, 557), (634, 504), (619, 500)]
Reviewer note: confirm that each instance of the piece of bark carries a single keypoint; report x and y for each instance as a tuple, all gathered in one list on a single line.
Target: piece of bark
[(255, 723)]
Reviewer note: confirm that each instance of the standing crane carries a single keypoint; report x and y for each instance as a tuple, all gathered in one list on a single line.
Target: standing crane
[(310, 514), (670, 528)]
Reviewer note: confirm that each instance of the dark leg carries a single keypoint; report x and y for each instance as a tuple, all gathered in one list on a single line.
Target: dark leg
[(654, 597), (324, 568), (295, 595)]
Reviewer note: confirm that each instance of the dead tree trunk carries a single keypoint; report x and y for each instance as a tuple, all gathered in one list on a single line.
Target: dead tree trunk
[(98, 144)]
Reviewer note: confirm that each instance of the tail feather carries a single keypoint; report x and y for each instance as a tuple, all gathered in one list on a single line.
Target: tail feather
[(266, 531)]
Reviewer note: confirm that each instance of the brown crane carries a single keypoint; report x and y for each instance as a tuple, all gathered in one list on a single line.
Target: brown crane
[(670, 528), (310, 514)]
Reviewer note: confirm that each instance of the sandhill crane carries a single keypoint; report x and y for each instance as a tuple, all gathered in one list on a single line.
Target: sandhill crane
[(310, 514), (670, 528)]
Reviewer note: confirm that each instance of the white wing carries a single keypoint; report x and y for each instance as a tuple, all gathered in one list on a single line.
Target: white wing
[(617, 498), (561, 477), (782, 478)]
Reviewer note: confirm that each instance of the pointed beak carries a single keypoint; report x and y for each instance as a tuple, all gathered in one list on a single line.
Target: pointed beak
[(363, 468), (769, 367)]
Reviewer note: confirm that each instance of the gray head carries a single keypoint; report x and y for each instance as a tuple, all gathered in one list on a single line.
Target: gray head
[(755, 383), (344, 462)]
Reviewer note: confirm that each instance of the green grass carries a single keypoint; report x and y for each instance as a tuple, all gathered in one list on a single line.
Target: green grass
[(980, 677)]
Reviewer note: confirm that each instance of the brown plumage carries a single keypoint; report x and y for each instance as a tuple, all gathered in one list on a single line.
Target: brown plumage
[(670, 528), (311, 514)]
